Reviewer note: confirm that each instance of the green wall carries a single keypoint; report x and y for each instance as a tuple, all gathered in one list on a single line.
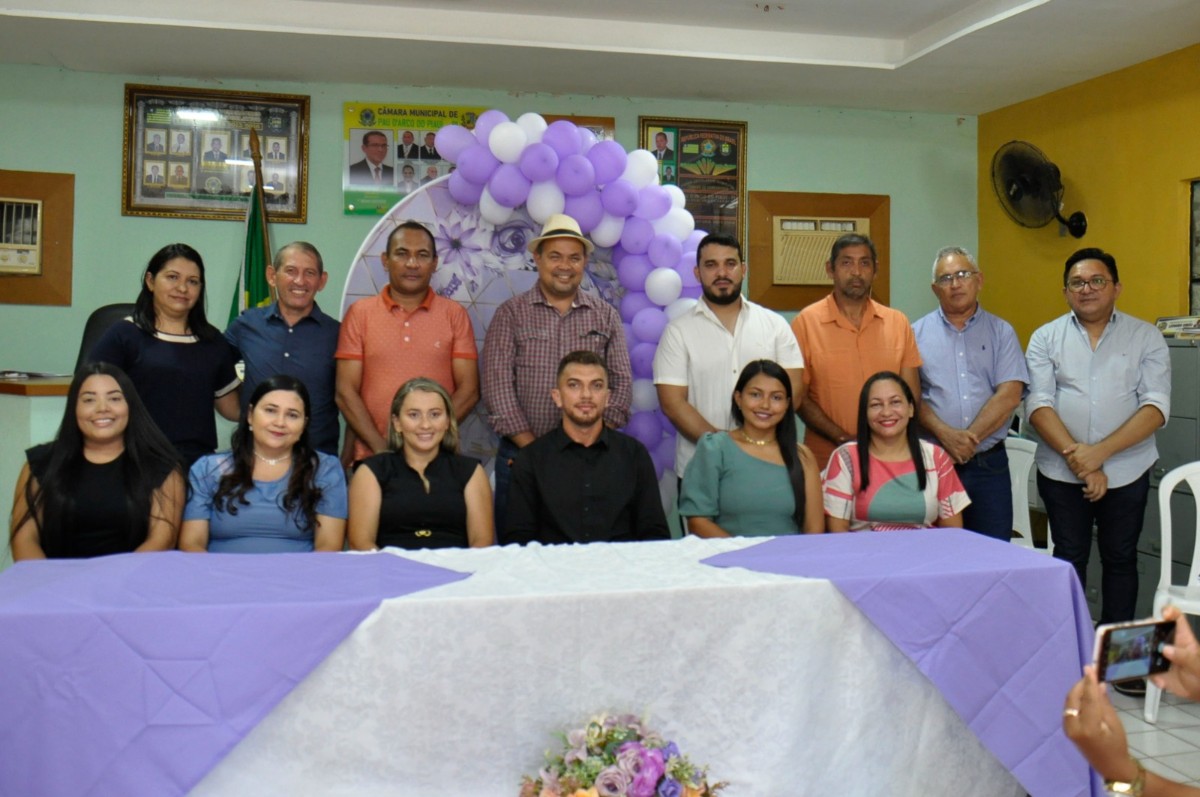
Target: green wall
[(61, 121)]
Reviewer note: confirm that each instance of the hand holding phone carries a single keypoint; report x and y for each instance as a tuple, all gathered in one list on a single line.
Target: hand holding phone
[(1125, 651)]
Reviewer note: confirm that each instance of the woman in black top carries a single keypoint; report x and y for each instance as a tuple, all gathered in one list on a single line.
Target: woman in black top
[(109, 483), (421, 494)]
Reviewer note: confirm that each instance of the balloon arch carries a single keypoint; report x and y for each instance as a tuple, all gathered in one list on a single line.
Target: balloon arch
[(509, 178)]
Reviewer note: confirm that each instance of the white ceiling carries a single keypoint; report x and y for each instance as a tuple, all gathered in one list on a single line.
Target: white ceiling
[(953, 56)]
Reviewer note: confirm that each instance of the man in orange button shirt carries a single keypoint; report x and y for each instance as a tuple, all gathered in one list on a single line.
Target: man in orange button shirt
[(404, 332), (845, 338)]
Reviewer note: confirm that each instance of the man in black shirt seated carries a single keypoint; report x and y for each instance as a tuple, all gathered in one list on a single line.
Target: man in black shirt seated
[(583, 482)]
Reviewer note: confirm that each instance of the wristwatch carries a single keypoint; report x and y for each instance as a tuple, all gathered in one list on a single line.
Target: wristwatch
[(1133, 789)]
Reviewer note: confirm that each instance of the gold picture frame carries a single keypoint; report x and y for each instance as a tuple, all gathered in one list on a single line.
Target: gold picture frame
[(187, 153), (706, 158)]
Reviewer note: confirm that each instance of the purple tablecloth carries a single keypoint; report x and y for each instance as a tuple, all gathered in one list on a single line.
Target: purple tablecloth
[(134, 674), (1002, 631)]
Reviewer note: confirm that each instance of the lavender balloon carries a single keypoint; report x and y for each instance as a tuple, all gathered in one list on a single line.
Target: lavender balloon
[(477, 164), (645, 427), (463, 190), (484, 124), (633, 271), (648, 324), (653, 202), (645, 397), (641, 358), (561, 136), (587, 139), (585, 209), (665, 251), (508, 186), (632, 303), (637, 235), (452, 140), (620, 198), (538, 162), (575, 175), (608, 157)]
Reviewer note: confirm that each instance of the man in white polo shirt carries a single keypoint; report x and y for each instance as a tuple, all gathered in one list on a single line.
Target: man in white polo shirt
[(703, 351)]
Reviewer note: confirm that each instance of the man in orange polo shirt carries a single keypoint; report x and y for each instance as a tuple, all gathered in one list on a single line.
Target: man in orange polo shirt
[(845, 338), (404, 332)]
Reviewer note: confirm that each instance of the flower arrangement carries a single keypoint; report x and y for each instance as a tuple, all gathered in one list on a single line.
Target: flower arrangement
[(618, 756)]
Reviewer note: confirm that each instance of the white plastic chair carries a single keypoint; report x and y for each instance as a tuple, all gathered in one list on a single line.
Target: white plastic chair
[(1021, 452), (1186, 596)]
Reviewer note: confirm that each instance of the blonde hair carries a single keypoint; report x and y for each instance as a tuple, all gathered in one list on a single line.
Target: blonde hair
[(449, 440)]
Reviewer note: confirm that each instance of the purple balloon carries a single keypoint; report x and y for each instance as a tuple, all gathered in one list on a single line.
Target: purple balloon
[(645, 427), (653, 202), (575, 175), (664, 453), (484, 124), (620, 197), (649, 323), (628, 327), (618, 254), (632, 303), (452, 140), (508, 186), (463, 190), (477, 164), (693, 240), (609, 159), (587, 139), (562, 138), (689, 292), (633, 271), (538, 162), (585, 209), (641, 358), (665, 250), (637, 235)]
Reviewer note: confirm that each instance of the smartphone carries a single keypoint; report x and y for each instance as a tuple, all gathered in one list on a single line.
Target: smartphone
[(1132, 650)]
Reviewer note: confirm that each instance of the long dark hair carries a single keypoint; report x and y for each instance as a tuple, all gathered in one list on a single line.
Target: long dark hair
[(302, 494), (785, 432), (148, 459), (143, 308), (864, 430)]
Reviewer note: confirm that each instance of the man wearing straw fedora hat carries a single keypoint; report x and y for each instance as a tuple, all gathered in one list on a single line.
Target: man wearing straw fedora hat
[(532, 332)]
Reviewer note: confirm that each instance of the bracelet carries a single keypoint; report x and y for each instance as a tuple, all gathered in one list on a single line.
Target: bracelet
[(1133, 789)]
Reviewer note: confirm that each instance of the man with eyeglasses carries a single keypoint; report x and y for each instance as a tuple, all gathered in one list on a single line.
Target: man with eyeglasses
[(404, 332), (846, 338), (973, 376), (529, 335), (1100, 385), (372, 170)]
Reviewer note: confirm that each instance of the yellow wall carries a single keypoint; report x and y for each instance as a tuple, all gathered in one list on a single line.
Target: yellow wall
[(1128, 145)]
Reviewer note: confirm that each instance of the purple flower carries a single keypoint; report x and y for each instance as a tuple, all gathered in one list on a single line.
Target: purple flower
[(670, 751), (612, 782), (460, 242), (670, 788), (644, 768), (577, 742)]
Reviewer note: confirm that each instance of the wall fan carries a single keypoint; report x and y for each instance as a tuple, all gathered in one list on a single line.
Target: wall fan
[(1030, 188)]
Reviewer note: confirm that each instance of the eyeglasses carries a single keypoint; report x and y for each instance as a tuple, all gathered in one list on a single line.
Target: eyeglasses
[(1097, 283), (946, 279)]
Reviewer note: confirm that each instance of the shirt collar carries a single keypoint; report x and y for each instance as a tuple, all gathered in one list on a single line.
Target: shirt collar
[(970, 321), (563, 441), (314, 314), (581, 298), (391, 304)]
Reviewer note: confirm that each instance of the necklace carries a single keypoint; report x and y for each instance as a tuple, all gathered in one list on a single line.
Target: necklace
[(270, 461), (752, 441)]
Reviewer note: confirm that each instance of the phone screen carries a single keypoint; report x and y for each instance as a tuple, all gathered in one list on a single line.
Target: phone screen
[(1132, 650)]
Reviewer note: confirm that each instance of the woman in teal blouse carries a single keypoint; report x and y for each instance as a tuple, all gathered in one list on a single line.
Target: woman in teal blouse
[(754, 480)]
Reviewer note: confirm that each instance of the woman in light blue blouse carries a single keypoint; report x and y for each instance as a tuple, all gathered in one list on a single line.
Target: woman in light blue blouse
[(272, 492), (754, 480)]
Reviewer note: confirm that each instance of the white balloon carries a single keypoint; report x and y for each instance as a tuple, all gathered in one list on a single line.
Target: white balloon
[(608, 231), (663, 286), (645, 397), (679, 307), (507, 142), (491, 210), (533, 125), (677, 223), (677, 196), (545, 199), (640, 168)]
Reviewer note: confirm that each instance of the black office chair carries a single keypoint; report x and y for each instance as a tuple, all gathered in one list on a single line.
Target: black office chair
[(97, 324)]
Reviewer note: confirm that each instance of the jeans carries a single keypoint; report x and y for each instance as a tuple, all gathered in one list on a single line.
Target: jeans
[(1118, 519), (986, 479), (506, 452)]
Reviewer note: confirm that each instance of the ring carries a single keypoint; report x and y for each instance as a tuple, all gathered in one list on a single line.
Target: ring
[(1070, 712)]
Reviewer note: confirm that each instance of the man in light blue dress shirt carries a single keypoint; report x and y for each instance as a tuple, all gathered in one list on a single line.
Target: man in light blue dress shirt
[(1100, 386), (973, 376)]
